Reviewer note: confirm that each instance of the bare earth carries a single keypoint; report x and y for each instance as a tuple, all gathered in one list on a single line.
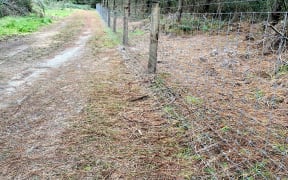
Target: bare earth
[(69, 109)]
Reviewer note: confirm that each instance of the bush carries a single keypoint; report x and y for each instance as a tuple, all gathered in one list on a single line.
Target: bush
[(92, 3), (15, 7), (25, 5)]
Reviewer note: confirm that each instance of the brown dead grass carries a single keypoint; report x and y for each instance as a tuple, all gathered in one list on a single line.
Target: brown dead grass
[(234, 109), (116, 138)]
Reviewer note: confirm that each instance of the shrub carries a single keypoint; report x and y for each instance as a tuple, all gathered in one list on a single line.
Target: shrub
[(15, 7)]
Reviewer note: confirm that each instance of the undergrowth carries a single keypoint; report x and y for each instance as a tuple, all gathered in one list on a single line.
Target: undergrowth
[(111, 39), (58, 13), (283, 69), (189, 25), (65, 4), (21, 25), (17, 25)]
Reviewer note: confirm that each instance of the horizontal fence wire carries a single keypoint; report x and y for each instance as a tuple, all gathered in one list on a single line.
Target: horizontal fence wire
[(224, 73)]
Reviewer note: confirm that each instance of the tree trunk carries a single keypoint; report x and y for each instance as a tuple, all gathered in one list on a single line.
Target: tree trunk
[(129, 8), (275, 17), (135, 7), (207, 6), (179, 11), (114, 16)]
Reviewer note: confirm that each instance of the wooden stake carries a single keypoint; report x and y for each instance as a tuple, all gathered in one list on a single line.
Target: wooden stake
[(114, 16), (125, 26), (109, 17), (154, 35)]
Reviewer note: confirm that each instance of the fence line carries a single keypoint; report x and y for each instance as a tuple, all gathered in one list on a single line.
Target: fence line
[(232, 98)]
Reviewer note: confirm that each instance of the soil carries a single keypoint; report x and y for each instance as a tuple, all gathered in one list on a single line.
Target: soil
[(70, 108)]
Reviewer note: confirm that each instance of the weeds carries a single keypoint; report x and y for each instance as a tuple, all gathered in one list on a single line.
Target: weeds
[(210, 170), (189, 24), (281, 148), (258, 94), (170, 111), (111, 39), (26, 24), (56, 13), (283, 70), (194, 100), (137, 32), (225, 129), (21, 25), (187, 153)]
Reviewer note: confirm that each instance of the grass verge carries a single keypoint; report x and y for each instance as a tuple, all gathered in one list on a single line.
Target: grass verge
[(18, 25), (111, 39)]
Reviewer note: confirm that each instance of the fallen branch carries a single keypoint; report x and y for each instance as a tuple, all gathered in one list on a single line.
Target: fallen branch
[(138, 98), (277, 31)]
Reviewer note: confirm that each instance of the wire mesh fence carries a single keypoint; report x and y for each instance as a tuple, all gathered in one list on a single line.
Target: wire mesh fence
[(229, 101), (225, 78)]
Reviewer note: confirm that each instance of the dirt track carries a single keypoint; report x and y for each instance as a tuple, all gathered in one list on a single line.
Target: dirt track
[(41, 78), (66, 109)]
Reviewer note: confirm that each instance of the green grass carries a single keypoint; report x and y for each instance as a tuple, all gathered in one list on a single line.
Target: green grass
[(65, 4), (21, 25), (137, 32), (77, 6), (259, 94), (58, 13), (111, 39), (17, 25), (194, 100), (225, 129), (283, 69)]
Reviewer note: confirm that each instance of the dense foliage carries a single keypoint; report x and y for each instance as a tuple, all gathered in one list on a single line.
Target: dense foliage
[(205, 6), (90, 2), (142, 8), (24, 7), (227, 5), (15, 7)]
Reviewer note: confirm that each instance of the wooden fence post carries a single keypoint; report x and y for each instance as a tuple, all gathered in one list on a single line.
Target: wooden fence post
[(114, 16), (154, 35), (125, 26), (129, 8), (109, 17), (101, 10)]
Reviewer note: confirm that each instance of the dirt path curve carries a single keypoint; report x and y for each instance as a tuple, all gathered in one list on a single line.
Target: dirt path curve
[(69, 109)]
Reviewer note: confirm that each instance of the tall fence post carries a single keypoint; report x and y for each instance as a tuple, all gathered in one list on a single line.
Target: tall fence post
[(114, 16), (102, 6), (108, 17), (125, 26), (154, 35)]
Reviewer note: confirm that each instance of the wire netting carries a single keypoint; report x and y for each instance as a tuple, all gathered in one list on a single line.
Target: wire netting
[(224, 79)]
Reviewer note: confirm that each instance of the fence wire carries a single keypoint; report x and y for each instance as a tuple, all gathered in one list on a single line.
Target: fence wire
[(226, 75)]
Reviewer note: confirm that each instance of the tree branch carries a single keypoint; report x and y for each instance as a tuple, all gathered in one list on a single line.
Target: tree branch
[(277, 31)]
